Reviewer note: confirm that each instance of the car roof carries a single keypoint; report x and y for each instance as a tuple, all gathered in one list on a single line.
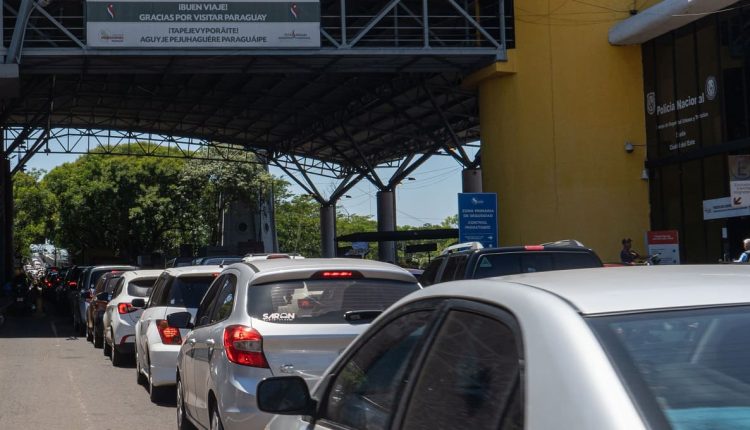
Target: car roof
[(136, 274), (193, 270), (629, 289), (280, 268)]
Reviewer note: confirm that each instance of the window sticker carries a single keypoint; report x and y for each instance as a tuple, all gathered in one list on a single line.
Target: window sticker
[(279, 316)]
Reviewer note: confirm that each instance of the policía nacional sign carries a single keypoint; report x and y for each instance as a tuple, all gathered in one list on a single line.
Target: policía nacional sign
[(203, 24)]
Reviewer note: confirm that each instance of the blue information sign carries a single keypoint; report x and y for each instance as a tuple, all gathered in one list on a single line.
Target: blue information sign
[(477, 218)]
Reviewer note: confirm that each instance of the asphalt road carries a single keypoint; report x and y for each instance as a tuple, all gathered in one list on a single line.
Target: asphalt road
[(50, 379)]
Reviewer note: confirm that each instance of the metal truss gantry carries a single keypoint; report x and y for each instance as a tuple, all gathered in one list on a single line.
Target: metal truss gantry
[(384, 89)]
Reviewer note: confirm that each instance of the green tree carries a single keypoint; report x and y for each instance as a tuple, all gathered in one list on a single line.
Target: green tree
[(123, 204), (298, 225), (35, 212)]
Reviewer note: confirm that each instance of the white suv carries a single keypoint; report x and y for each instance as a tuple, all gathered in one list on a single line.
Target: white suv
[(156, 343), (274, 317), (121, 316)]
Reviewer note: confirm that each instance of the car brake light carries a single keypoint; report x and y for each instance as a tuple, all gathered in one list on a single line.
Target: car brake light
[(125, 308), (169, 335), (215, 274), (244, 346), (337, 274), (534, 247), (72, 284)]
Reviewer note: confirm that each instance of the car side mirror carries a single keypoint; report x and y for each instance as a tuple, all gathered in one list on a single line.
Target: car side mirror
[(103, 297), (285, 395), (138, 303), (180, 320)]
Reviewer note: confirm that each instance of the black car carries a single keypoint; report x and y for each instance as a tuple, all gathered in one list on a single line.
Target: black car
[(489, 262)]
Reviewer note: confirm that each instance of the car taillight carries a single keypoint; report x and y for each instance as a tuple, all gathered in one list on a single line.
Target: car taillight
[(244, 346), (534, 247), (72, 284), (126, 308), (169, 335)]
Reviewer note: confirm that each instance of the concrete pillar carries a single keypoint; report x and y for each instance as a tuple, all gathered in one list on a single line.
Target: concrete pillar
[(471, 180), (6, 222), (328, 230), (387, 222)]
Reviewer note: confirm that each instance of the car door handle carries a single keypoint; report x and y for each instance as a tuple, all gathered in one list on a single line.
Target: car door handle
[(191, 341), (210, 343)]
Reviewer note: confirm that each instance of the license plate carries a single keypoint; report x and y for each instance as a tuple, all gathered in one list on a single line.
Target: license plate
[(19, 299)]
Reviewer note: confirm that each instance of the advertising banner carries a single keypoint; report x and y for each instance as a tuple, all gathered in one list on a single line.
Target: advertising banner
[(665, 245), (477, 218), (203, 24), (739, 180)]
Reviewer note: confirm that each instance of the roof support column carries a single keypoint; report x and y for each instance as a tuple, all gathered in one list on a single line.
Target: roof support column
[(328, 230), (471, 180), (6, 222), (386, 200)]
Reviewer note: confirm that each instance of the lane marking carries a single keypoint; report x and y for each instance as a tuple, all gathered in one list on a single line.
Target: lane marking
[(81, 403)]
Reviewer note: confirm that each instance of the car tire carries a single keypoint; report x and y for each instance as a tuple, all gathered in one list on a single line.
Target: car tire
[(183, 423), (98, 341), (215, 420), (141, 377), (157, 394), (118, 358), (107, 349), (89, 336)]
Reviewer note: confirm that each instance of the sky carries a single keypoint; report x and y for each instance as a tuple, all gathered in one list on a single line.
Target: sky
[(429, 198)]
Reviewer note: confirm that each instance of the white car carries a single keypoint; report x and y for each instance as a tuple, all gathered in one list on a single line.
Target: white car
[(157, 344), (632, 348), (120, 316), (274, 317)]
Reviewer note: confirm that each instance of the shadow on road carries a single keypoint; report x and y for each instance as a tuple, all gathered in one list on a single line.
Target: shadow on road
[(36, 326)]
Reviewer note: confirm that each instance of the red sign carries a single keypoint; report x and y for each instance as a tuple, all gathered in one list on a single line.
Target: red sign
[(664, 237)]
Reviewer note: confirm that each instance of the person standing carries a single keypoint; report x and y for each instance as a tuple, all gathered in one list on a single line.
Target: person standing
[(627, 255), (745, 256)]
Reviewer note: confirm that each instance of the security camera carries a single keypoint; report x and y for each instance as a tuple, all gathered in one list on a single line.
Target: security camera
[(629, 147)]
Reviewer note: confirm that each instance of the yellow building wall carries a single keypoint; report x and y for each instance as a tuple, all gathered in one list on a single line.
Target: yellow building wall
[(554, 128)]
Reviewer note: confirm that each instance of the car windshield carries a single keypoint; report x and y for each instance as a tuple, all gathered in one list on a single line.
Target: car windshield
[(140, 287), (323, 301), (689, 368), (187, 291)]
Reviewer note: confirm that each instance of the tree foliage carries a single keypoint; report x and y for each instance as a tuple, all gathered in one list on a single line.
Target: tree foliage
[(35, 210)]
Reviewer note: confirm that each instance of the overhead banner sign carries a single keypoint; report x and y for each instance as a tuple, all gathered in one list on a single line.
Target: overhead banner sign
[(477, 218), (739, 180), (203, 24)]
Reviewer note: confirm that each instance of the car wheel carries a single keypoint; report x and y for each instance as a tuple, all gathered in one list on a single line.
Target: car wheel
[(141, 377), (216, 420), (183, 423), (98, 341), (107, 349), (89, 335), (118, 358), (157, 394)]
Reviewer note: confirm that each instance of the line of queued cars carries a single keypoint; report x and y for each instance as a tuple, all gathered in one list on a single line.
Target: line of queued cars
[(206, 335), (354, 344)]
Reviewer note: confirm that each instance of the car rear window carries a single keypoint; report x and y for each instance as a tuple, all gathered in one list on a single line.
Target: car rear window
[(187, 291), (689, 368), (219, 260), (511, 263), (141, 287), (323, 301)]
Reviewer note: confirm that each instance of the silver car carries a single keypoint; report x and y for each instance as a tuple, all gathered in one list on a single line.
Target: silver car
[(274, 317), (629, 348)]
